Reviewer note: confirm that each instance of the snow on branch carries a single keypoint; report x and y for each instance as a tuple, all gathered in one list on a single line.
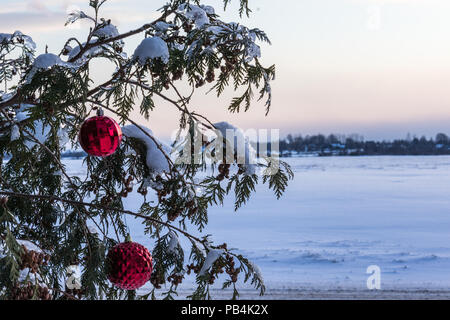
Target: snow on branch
[(241, 144), (151, 48), (213, 255), (76, 15), (174, 242), (18, 38), (107, 31), (46, 61), (196, 14), (155, 159)]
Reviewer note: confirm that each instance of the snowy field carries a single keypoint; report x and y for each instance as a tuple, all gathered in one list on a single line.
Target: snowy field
[(339, 216)]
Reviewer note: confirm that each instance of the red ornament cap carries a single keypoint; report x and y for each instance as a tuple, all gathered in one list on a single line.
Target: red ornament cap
[(100, 136), (129, 265)]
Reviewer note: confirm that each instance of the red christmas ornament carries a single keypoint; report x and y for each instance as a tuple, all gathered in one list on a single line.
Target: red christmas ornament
[(129, 265), (100, 136)]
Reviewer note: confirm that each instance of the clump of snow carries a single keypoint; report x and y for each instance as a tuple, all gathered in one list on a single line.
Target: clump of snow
[(252, 51), (208, 9), (156, 161), (161, 29), (196, 14), (46, 61), (194, 47), (174, 242), (27, 41), (215, 29), (215, 32), (22, 113), (257, 271), (177, 46), (74, 51), (161, 26), (6, 96), (93, 229), (234, 31), (28, 275), (15, 133), (246, 154), (87, 54), (29, 245), (199, 191), (107, 31), (73, 274), (74, 15), (5, 38), (67, 49), (213, 255), (152, 48)]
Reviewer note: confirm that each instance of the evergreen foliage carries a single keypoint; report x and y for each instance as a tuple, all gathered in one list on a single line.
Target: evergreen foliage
[(42, 106)]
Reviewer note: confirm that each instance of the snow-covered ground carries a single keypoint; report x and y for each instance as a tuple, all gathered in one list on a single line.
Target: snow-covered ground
[(339, 216)]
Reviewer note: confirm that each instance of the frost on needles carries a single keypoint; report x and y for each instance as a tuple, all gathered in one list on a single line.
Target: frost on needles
[(74, 220)]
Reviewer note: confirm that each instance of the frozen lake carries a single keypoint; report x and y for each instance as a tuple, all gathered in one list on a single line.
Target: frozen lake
[(339, 216)]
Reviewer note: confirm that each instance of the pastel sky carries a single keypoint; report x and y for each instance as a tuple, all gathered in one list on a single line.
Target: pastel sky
[(380, 68)]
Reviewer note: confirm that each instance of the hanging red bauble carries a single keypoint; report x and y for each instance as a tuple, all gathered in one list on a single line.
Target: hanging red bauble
[(100, 136), (129, 265)]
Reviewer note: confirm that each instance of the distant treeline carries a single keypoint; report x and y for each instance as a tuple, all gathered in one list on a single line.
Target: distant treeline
[(355, 145), (73, 154)]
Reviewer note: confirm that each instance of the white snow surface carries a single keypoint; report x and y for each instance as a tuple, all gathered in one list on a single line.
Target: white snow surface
[(152, 48), (338, 216), (156, 161)]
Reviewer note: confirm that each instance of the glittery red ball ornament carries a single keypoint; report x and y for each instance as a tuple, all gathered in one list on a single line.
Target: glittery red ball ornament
[(100, 136), (129, 265)]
